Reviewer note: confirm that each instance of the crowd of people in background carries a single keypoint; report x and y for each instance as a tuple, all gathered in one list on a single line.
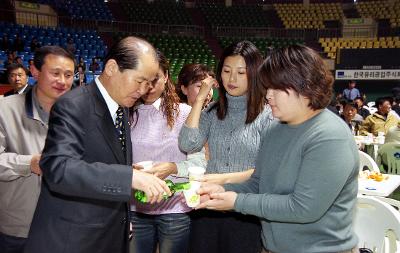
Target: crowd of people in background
[(15, 47), (379, 116), (69, 160)]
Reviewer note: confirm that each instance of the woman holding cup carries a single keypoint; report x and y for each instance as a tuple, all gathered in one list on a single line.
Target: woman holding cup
[(155, 126), (232, 127), (304, 188)]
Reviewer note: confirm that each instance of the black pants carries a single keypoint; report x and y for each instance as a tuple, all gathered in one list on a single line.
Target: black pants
[(219, 232), (11, 244)]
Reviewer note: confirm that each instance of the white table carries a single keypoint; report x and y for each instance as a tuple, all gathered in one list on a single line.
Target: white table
[(363, 141), (374, 188)]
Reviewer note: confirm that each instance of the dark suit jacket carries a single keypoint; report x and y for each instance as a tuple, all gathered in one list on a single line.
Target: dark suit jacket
[(83, 205), (12, 92)]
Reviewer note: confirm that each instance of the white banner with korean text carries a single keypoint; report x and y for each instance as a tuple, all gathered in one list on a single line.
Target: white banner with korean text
[(367, 74)]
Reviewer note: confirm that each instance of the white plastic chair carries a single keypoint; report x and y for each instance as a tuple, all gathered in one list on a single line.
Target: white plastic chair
[(372, 110), (366, 160), (390, 153), (377, 225), (393, 202)]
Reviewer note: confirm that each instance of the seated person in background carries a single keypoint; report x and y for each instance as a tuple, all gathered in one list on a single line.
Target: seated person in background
[(94, 66), (82, 63), (10, 59), (30, 63), (350, 116), (71, 46), (392, 103), (5, 44), (79, 78), (34, 44), (381, 120), (34, 72), (360, 107), (393, 134), (396, 105), (18, 44), (19, 60), (18, 78)]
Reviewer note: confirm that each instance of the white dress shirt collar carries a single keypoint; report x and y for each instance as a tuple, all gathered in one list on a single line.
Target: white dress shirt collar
[(22, 90), (111, 104)]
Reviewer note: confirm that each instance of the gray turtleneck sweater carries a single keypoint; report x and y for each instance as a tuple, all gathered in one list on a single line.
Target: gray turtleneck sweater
[(233, 145)]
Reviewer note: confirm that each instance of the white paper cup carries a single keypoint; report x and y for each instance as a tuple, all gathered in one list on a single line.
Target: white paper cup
[(196, 173), (146, 165), (191, 196)]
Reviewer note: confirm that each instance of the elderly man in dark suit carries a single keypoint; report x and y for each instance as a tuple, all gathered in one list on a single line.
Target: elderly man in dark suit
[(87, 169)]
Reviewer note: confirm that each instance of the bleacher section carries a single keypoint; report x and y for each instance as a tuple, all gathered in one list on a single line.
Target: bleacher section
[(332, 45), (81, 9), (263, 44), (381, 10), (216, 14), (158, 12), (88, 44), (180, 50), (315, 16), (183, 50)]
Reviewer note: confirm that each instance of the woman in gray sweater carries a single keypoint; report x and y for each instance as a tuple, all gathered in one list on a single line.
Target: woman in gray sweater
[(304, 188), (232, 127)]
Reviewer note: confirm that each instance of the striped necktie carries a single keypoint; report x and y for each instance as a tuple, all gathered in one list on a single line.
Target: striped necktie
[(120, 127)]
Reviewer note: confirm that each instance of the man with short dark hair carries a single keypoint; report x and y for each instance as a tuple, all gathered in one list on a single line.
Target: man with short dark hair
[(381, 120), (87, 160), (350, 116), (359, 101), (23, 130), (396, 104), (17, 77)]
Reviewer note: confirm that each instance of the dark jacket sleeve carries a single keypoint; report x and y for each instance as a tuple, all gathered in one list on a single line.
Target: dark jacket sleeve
[(65, 164)]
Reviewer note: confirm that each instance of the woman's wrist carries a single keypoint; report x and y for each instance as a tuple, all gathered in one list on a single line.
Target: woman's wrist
[(199, 101)]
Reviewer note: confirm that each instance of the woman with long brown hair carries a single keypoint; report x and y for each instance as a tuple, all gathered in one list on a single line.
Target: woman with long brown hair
[(232, 127), (155, 127)]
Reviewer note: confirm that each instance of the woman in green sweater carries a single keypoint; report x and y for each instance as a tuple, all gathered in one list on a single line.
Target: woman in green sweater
[(304, 188)]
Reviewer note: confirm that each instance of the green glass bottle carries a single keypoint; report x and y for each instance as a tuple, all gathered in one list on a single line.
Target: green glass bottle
[(173, 187)]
